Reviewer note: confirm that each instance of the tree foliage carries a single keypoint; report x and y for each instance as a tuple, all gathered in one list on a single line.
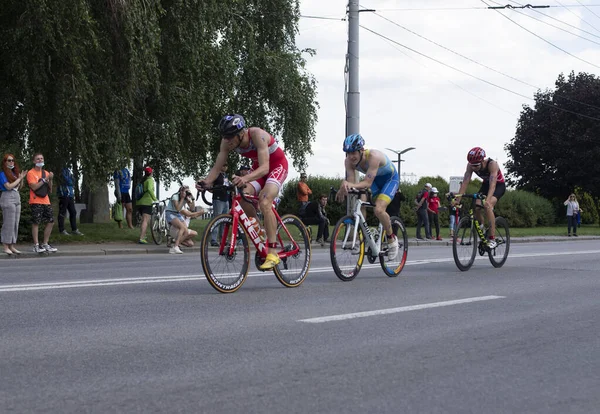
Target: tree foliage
[(101, 83), (556, 150)]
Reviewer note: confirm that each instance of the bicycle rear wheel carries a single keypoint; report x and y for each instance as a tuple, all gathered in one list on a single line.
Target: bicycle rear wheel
[(393, 267), (292, 270), (155, 228), (224, 271), (346, 259), (464, 244), (499, 254)]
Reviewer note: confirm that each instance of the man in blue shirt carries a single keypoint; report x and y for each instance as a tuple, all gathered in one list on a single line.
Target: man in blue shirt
[(122, 186), (66, 201)]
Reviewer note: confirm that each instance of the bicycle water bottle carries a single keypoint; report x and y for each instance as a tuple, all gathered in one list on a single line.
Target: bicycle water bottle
[(259, 230)]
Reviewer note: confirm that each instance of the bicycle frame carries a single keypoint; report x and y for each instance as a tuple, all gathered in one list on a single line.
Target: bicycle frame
[(473, 217), (240, 216), (359, 219)]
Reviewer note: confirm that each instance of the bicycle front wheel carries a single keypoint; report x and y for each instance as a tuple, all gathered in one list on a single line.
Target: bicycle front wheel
[(392, 267), (155, 228), (346, 257), (499, 254), (464, 244), (225, 270), (292, 235)]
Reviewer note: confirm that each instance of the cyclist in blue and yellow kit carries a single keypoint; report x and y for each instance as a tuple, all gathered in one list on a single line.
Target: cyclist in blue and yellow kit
[(380, 176)]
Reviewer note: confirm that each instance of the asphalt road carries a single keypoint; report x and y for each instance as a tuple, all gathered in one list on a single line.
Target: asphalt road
[(146, 333)]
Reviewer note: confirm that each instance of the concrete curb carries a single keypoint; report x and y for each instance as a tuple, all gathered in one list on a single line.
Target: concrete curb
[(80, 250)]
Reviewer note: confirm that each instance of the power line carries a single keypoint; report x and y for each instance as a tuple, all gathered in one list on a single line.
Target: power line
[(541, 38), (476, 62), (476, 77), (343, 19), (576, 15), (587, 8), (471, 8)]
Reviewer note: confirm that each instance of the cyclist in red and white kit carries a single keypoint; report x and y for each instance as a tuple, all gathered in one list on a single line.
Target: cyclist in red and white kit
[(267, 174), (493, 186)]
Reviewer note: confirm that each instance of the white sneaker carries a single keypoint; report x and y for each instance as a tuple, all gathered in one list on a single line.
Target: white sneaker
[(38, 249), (175, 250), (492, 243), (65, 233), (393, 248), (49, 248)]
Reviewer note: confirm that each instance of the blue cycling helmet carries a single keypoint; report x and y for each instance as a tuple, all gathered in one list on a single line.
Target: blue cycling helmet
[(231, 125), (354, 142)]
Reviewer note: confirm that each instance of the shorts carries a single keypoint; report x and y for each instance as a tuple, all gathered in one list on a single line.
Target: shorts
[(42, 213), (278, 172), (125, 198), (170, 215), (145, 210), (385, 186), (498, 192)]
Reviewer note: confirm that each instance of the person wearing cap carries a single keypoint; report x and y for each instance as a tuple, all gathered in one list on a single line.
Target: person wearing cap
[(421, 202), (433, 207), (243, 170), (302, 193), (144, 204)]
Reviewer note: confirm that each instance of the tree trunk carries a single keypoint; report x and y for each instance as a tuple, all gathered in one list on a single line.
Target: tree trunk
[(97, 205)]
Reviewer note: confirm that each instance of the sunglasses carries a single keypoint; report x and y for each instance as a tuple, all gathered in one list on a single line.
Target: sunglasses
[(10, 160), (229, 137), (475, 165)]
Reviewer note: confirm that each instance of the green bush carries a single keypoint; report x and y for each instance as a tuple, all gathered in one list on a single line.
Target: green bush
[(524, 209), (589, 212)]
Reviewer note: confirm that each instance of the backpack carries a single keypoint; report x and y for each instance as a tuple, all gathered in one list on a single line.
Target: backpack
[(139, 191), (419, 196), (43, 190)]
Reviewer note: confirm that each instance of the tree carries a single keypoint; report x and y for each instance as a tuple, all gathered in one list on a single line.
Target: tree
[(555, 147)]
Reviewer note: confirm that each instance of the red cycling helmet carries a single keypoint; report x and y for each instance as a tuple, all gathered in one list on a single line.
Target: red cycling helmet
[(476, 155)]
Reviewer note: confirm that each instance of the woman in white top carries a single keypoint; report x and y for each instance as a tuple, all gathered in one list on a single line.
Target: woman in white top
[(572, 211), (174, 217)]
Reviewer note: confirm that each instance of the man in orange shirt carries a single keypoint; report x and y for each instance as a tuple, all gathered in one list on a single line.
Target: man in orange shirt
[(40, 185), (302, 193)]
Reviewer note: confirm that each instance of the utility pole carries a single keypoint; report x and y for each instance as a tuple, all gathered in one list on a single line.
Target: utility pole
[(400, 159), (353, 95)]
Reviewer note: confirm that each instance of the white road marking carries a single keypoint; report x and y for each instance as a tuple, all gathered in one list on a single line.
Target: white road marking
[(355, 315), (181, 278)]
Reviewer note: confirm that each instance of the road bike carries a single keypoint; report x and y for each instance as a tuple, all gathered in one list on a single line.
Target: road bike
[(465, 244), (158, 221), (352, 240), (226, 266)]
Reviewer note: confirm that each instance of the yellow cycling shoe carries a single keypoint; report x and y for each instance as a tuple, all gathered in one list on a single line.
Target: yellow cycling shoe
[(271, 261)]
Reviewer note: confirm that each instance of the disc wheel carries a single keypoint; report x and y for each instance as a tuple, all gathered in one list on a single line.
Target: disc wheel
[(225, 269), (499, 254), (464, 244), (393, 267), (346, 258), (293, 268)]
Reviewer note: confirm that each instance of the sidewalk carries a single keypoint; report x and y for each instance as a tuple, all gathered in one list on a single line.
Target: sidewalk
[(105, 249)]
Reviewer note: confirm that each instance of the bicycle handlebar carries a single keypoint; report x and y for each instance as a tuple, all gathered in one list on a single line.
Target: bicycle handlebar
[(229, 188)]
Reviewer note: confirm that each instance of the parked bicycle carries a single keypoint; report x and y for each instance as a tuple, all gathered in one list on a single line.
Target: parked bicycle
[(352, 240), (158, 221), (226, 266), (465, 245)]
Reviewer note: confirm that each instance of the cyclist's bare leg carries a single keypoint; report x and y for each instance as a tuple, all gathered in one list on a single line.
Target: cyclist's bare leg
[(249, 207), (381, 214), (489, 213), (265, 203)]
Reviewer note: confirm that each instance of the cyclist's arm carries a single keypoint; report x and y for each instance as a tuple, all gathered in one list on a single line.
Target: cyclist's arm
[(466, 180), (493, 178), (260, 139), (373, 166)]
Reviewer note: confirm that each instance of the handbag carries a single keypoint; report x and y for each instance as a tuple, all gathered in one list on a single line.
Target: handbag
[(42, 191)]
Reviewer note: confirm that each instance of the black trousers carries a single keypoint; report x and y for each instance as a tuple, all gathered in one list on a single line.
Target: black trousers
[(64, 204), (323, 231)]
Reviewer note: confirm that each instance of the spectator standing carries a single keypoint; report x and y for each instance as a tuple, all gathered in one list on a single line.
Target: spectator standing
[(393, 209), (40, 185), (302, 193), (572, 211), (122, 179), (220, 201), (315, 214), (453, 214), (421, 203), (175, 219), (11, 181), (66, 201), (144, 204), (433, 208)]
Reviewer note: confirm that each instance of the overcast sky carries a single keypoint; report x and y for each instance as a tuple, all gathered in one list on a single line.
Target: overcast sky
[(408, 100)]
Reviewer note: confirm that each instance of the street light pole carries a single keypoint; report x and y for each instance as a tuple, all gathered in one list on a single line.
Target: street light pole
[(400, 158)]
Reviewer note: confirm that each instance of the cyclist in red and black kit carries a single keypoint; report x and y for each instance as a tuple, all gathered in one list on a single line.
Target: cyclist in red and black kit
[(493, 186), (267, 174)]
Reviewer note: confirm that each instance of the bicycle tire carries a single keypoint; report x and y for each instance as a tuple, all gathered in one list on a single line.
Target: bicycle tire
[(502, 238), (225, 273), (292, 270), (346, 260), (155, 230), (464, 244), (393, 267)]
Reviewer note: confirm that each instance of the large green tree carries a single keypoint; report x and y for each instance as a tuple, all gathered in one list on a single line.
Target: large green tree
[(102, 83), (556, 146)]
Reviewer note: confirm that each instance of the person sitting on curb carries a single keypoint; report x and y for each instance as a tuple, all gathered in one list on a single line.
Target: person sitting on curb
[(315, 214)]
